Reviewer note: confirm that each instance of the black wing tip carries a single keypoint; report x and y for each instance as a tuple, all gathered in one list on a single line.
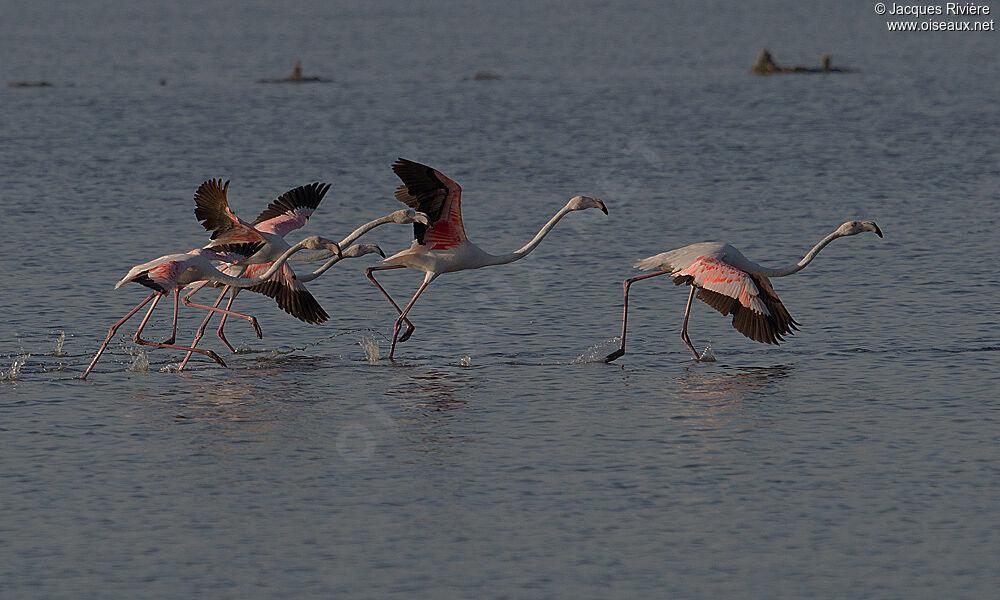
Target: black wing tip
[(210, 206), (145, 280), (297, 302), (404, 167), (305, 196), (306, 308)]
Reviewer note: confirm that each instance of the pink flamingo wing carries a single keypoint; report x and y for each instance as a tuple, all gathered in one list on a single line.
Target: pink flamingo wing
[(285, 223), (167, 273), (431, 192), (291, 210), (715, 275), (212, 209)]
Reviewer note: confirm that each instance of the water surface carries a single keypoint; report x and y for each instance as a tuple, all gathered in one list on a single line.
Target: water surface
[(498, 457)]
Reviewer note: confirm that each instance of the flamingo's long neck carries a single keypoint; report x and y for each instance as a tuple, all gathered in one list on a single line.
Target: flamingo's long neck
[(323, 269), (360, 231), (802, 263), (527, 248), (245, 282)]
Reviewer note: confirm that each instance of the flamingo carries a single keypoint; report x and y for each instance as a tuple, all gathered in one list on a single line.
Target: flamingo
[(443, 247), (258, 244), (732, 284), (354, 251), (402, 217), (170, 273)]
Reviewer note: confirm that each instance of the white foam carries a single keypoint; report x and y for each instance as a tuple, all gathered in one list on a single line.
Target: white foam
[(57, 351), (370, 346), (707, 355), (15, 368), (597, 352), (140, 360)]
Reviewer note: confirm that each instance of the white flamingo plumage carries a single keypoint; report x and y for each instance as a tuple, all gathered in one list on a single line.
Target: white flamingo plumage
[(402, 217), (172, 272), (443, 246), (258, 244), (732, 284)]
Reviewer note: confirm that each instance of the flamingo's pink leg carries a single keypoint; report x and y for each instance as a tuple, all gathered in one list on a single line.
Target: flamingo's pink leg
[(139, 340), (173, 330), (626, 285), (249, 318), (201, 329), (222, 323), (368, 273), (684, 328), (402, 317), (114, 328)]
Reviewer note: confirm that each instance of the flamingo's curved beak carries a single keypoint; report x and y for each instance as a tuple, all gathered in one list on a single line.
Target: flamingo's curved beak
[(421, 218), (335, 248), (379, 250), (874, 228), (602, 205)]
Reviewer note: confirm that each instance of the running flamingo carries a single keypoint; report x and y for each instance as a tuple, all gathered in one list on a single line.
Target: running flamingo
[(402, 217), (354, 251), (172, 272), (731, 284), (443, 247), (258, 244)]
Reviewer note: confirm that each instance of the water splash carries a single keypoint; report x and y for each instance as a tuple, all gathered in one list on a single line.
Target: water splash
[(597, 352), (370, 346), (15, 368), (140, 360), (466, 361), (707, 355), (58, 350), (244, 348)]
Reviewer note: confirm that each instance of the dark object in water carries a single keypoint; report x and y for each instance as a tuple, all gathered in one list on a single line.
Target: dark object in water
[(295, 77), (27, 84), (765, 65), (483, 76)]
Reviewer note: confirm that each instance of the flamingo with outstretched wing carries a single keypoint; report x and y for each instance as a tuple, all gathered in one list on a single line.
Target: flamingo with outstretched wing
[(173, 272), (732, 284), (258, 244), (442, 247)]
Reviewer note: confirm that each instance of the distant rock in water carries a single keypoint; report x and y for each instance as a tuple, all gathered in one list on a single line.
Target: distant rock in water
[(295, 77), (27, 84), (483, 76), (765, 65)]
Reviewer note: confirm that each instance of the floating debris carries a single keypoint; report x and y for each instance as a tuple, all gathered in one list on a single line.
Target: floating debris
[(295, 77), (766, 65), (28, 84), (484, 76), (466, 361)]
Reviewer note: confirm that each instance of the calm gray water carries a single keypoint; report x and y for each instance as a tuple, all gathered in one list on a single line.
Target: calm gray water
[(496, 458)]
